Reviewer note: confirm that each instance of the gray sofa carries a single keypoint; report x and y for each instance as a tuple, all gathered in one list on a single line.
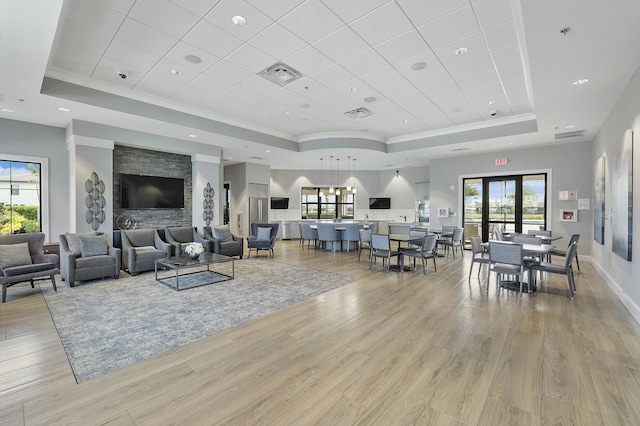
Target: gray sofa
[(179, 237), (87, 256), (141, 248), (22, 258), (223, 241)]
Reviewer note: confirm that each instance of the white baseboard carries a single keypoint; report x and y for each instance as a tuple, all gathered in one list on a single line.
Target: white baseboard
[(633, 308)]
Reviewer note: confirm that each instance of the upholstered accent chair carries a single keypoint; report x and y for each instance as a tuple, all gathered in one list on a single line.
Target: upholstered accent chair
[(22, 258), (223, 241), (263, 238), (141, 248), (182, 236), (88, 256)]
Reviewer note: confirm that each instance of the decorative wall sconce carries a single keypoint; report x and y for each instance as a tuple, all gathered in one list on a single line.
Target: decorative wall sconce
[(207, 204)]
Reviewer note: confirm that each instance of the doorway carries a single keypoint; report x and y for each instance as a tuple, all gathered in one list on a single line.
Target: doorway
[(504, 204)]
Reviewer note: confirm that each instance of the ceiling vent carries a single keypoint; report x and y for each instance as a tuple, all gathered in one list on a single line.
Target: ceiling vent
[(256, 158), (358, 113), (280, 73), (460, 149), (569, 134)]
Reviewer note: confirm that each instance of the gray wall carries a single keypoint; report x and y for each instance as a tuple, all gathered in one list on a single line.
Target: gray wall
[(571, 168), (34, 140), (618, 272)]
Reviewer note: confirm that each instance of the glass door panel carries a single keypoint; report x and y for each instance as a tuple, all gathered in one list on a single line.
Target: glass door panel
[(534, 202), (472, 209), (501, 205)]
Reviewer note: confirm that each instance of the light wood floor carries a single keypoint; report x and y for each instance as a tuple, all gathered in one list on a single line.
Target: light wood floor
[(385, 350)]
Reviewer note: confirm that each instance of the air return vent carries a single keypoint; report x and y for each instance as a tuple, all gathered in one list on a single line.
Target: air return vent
[(567, 135), (358, 113), (460, 149), (281, 74)]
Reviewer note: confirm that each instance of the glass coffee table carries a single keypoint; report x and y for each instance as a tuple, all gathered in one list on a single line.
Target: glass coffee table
[(180, 264)]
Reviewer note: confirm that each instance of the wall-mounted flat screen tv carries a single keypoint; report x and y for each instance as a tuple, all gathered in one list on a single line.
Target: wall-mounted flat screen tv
[(279, 203), (379, 203), (151, 192)]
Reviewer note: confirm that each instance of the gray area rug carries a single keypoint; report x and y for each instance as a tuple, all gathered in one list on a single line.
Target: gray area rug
[(108, 324)]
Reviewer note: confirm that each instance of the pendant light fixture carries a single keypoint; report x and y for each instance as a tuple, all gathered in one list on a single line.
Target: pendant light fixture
[(331, 190), (321, 188), (354, 190), (348, 174), (337, 176)]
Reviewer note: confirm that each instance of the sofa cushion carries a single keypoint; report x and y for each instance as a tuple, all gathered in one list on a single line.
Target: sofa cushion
[(93, 246), (263, 234), (14, 255), (222, 233), (181, 234), (28, 269), (94, 261), (73, 241)]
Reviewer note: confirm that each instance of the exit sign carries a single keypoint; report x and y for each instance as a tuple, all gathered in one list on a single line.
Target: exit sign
[(501, 161)]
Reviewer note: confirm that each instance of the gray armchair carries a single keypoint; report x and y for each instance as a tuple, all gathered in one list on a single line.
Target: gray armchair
[(262, 240), (182, 236), (87, 256), (141, 248), (223, 241), (22, 258)]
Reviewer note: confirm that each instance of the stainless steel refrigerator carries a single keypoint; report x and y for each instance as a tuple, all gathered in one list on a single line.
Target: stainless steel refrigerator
[(258, 210)]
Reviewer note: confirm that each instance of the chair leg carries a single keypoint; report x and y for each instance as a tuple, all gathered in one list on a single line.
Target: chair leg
[(4, 293), (32, 286), (578, 263), (471, 269), (53, 282)]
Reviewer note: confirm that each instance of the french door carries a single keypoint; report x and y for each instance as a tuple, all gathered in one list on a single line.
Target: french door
[(504, 204)]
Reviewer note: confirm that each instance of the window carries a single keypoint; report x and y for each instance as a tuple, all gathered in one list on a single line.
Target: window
[(328, 206), (20, 197)]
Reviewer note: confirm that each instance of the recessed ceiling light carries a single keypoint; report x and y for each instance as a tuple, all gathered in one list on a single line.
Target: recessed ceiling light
[(239, 20), (369, 99), (193, 59), (287, 112), (418, 66), (192, 136), (6, 110), (268, 150), (581, 81), (352, 89), (570, 126), (458, 109), (64, 109), (176, 72), (406, 121), (461, 51), (491, 102)]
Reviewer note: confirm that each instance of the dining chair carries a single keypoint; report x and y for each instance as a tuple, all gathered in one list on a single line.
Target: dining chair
[(478, 255), (497, 234), (454, 242), (327, 233), (308, 234), (381, 247), (507, 259), (566, 269), (540, 232), (365, 242), (351, 234), (424, 252), (561, 253)]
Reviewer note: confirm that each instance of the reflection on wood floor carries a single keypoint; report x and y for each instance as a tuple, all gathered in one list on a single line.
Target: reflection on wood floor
[(387, 349)]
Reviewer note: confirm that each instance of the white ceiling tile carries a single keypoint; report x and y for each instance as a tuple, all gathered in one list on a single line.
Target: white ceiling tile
[(454, 26), (383, 77), (308, 60), (285, 96), (221, 16), (84, 38), (466, 117), (501, 36), (311, 21), (507, 57), (352, 89), (228, 72), (439, 77), (144, 37), (123, 52), (484, 92), (203, 34), (479, 80), (402, 47), (164, 16), (423, 11), (471, 67), (106, 70), (275, 9), (326, 97), (197, 7), (211, 84), (75, 60), (353, 9), (448, 97), (365, 62), (341, 44), (332, 75), (433, 117), (413, 101), (258, 85), (238, 95), (382, 24), (190, 95), (120, 6), (306, 86), (158, 84), (95, 17), (250, 58), (182, 49), (499, 103), (278, 42), (398, 91), (493, 12)]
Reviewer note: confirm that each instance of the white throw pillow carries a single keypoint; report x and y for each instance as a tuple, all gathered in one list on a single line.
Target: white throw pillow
[(264, 234)]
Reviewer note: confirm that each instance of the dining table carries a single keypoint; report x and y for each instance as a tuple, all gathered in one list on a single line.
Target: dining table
[(534, 250)]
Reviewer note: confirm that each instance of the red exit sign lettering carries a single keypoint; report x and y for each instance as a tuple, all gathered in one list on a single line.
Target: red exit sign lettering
[(501, 161)]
